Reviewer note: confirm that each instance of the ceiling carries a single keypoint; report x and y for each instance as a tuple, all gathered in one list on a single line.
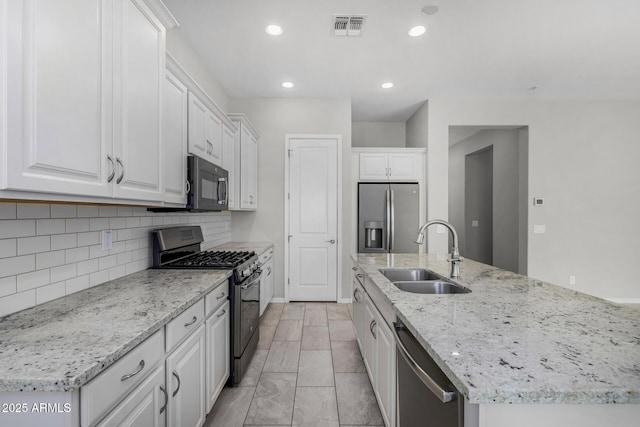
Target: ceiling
[(472, 48)]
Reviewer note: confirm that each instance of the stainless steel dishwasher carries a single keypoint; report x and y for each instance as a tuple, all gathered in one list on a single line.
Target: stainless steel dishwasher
[(426, 397)]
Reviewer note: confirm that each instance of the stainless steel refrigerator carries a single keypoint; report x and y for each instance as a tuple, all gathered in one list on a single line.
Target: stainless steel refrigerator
[(388, 217)]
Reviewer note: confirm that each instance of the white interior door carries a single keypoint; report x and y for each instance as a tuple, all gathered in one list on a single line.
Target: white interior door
[(313, 219)]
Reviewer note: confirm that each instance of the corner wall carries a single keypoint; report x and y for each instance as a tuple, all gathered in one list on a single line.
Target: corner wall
[(274, 118), (583, 159), (378, 134)]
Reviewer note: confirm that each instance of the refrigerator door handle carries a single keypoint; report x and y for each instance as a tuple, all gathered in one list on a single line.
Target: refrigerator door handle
[(393, 222), (388, 227)]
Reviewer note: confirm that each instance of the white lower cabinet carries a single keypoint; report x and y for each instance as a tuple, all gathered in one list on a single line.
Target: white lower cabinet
[(185, 379), (144, 407), (266, 280), (218, 353)]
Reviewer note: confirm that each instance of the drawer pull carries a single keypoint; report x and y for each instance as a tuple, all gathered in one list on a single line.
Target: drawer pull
[(166, 398), (133, 374), (175, 374), (222, 314), (194, 320), (220, 296), (372, 325)]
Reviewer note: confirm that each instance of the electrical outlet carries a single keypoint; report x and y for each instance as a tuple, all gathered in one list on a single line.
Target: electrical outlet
[(572, 280), (539, 229), (475, 223), (107, 240)]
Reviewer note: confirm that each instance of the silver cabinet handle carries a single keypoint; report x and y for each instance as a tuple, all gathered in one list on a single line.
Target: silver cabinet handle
[(113, 168), (136, 372), (194, 320), (188, 186), (166, 398), (372, 325), (360, 276), (220, 296), (175, 374), (222, 314), (332, 241), (442, 394), (119, 180), (355, 295), (354, 268), (268, 271)]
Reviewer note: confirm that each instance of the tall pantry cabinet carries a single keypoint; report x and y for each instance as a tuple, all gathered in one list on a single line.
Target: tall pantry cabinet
[(83, 97)]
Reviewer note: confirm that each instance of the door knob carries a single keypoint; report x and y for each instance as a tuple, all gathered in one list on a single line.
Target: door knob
[(331, 241)]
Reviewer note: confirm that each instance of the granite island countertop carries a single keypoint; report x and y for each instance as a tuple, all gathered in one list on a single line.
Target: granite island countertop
[(515, 339), (62, 344)]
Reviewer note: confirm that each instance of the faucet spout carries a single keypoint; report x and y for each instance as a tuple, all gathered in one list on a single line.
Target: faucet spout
[(455, 259)]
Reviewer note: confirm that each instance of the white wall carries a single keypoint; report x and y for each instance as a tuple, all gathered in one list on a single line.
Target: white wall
[(505, 191), (274, 118), (48, 251), (417, 127), (378, 134), (583, 159)]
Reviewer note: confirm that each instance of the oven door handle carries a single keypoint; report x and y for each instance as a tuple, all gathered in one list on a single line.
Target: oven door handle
[(252, 280), (442, 394)]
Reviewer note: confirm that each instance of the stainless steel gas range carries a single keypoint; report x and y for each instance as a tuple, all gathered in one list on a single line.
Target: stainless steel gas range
[(179, 247)]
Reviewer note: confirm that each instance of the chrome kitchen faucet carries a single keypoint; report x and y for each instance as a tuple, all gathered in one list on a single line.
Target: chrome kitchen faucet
[(455, 259)]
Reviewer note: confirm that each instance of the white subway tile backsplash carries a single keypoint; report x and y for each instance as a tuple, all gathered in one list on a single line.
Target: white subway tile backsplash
[(7, 286), (50, 259), (16, 302), (50, 292), (48, 251), (33, 210), (87, 211), (7, 210), (63, 272), (17, 228), (77, 225), (50, 226), (8, 248), (63, 211), (64, 241), (17, 265), (33, 245)]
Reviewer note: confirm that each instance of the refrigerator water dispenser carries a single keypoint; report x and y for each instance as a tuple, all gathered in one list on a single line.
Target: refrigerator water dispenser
[(373, 234)]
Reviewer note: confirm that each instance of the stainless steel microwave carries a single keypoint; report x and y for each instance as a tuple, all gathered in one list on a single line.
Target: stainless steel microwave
[(208, 186)]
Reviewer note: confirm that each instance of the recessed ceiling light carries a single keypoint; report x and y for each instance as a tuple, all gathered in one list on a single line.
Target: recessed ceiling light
[(417, 31), (273, 30), (287, 85), (430, 9), (387, 85)]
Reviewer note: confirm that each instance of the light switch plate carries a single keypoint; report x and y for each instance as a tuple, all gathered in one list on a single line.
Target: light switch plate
[(475, 223), (539, 229), (107, 240)]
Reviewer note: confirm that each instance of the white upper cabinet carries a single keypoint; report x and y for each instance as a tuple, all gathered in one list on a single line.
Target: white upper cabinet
[(244, 180), (390, 166), (174, 139), (206, 130), (228, 160), (84, 100)]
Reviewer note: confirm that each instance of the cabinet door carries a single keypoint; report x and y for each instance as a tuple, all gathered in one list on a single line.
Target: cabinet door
[(174, 140), (185, 379), (369, 326), (197, 127), (228, 158), (247, 173), (385, 376), (144, 407), (254, 173), (57, 135), (358, 313), (213, 134), (218, 353), (403, 166), (266, 285), (374, 166), (139, 64)]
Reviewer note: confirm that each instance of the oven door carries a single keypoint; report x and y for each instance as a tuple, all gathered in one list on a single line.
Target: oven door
[(208, 185), (247, 312)]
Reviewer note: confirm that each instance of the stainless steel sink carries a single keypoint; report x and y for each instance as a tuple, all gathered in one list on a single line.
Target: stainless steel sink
[(421, 281), (409, 274), (431, 287)]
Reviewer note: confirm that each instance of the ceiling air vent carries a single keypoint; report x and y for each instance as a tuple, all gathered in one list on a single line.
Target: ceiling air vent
[(348, 25)]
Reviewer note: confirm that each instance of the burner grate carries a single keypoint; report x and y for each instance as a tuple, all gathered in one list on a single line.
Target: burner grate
[(215, 259)]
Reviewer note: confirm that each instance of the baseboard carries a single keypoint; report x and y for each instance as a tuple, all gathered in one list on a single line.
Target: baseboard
[(624, 300), (278, 300), (344, 301)]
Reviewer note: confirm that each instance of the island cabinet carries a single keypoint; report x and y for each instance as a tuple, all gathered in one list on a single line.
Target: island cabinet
[(84, 120)]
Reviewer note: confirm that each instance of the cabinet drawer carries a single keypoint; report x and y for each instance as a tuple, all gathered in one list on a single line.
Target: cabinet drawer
[(184, 324), (112, 385), (265, 256), (216, 298)]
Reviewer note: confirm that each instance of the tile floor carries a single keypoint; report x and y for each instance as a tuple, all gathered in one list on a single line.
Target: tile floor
[(307, 371)]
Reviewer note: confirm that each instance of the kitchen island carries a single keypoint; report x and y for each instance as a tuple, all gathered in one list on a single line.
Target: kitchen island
[(514, 343)]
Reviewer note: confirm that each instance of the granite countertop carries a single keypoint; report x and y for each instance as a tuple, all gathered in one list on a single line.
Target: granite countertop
[(63, 344), (258, 247), (519, 340)]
